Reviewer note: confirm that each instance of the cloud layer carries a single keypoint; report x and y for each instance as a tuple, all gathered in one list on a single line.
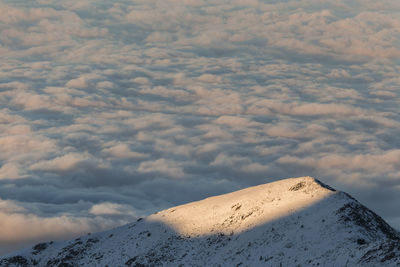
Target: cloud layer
[(110, 111)]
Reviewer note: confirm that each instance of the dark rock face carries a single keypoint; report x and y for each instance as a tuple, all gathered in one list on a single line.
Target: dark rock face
[(297, 186), (17, 261), (360, 215), (376, 229), (73, 252), (39, 248)]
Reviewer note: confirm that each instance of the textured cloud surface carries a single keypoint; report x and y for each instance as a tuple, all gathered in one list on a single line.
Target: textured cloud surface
[(110, 111)]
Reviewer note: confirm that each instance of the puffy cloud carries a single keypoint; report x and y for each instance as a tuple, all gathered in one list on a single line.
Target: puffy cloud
[(32, 228), (107, 208), (314, 109), (10, 170), (339, 73), (159, 37), (180, 95), (241, 164), (236, 121), (67, 163), (209, 78), (370, 165), (17, 146), (80, 82), (162, 167)]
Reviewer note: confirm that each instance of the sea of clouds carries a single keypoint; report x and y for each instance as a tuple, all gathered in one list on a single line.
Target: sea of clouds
[(111, 110)]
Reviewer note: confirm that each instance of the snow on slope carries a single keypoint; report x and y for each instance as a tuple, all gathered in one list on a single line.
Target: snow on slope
[(292, 222)]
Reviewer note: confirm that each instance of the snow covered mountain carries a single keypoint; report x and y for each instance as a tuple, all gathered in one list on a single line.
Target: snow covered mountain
[(292, 222)]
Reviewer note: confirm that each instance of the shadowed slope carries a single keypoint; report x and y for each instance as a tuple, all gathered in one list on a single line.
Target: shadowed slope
[(297, 221)]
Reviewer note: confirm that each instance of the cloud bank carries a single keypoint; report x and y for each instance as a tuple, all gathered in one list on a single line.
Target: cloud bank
[(111, 111)]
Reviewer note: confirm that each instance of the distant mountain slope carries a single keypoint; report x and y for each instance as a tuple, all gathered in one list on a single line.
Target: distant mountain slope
[(292, 222)]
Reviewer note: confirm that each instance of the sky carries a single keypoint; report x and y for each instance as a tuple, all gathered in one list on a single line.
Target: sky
[(110, 111)]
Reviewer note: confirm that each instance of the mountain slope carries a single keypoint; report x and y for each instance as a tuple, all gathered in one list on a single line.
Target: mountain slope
[(292, 222)]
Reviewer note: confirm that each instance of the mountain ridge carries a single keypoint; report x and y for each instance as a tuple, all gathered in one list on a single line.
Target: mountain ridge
[(293, 222)]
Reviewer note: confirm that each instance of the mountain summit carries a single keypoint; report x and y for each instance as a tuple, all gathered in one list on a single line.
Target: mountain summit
[(292, 222)]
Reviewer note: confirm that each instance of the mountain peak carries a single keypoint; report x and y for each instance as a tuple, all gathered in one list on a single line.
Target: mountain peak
[(296, 221), (238, 211)]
